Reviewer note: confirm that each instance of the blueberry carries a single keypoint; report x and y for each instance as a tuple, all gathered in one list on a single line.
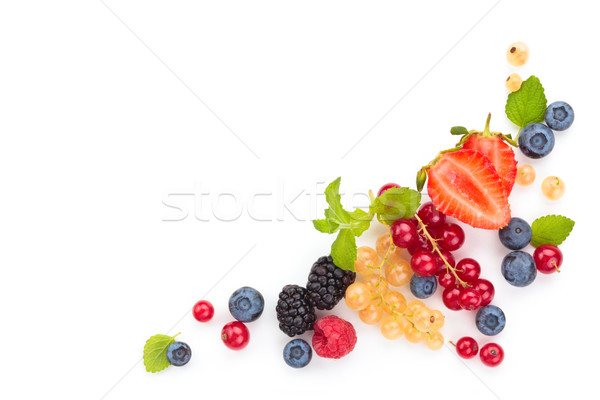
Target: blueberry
[(179, 353), (246, 304), (559, 115), (518, 268), (297, 353), (423, 287), (515, 235), (490, 320), (536, 140)]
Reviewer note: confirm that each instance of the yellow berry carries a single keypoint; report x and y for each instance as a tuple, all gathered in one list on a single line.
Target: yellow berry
[(421, 319), (434, 340), (517, 54), (358, 296), (367, 260), (437, 320), (372, 314), (553, 187), (513, 82), (398, 273), (414, 305), (394, 303), (414, 335), (525, 175), (392, 327), (382, 245), (376, 284)]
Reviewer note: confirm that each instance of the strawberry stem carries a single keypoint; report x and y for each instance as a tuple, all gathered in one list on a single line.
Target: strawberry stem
[(486, 131)]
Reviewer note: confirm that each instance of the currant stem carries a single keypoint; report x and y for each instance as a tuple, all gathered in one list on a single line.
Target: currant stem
[(452, 343)]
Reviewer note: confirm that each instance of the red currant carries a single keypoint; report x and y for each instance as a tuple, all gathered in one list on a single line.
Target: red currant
[(447, 280), (548, 258), (468, 270), (235, 335), (451, 237), (386, 187), (404, 233), (450, 298), (420, 243), (441, 266), (430, 216), (203, 311), (469, 299), (467, 347), (491, 354), (486, 290), (423, 263)]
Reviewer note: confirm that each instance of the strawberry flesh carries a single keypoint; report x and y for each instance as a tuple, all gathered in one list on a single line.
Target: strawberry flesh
[(500, 154)]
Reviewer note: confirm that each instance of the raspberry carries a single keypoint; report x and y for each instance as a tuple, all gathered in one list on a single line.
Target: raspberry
[(334, 337)]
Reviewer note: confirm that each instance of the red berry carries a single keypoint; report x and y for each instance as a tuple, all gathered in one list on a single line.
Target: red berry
[(486, 290), (491, 354), (420, 243), (334, 337), (548, 258), (447, 280), (423, 263), (451, 237), (450, 298), (469, 299), (386, 187), (441, 266), (404, 233), (468, 270), (467, 347), (235, 335), (430, 216), (203, 311)]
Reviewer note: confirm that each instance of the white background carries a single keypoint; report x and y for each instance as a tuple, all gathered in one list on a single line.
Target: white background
[(104, 114)]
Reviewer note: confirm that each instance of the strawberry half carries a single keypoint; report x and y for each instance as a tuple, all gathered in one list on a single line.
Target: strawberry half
[(464, 184)]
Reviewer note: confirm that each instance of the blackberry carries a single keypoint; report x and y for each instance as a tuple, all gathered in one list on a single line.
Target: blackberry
[(327, 283), (294, 313)]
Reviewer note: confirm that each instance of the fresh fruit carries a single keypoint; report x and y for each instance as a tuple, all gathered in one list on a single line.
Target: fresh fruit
[(450, 298), (334, 337), (515, 235), (447, 280), (414, 305), (464, 184), (441, 265), (513, 82), (518, 268), (525, 175), (517, 54), (383, 245), (246, 304), (490, 320), (294, 312), (536, 140), (394, 303), (372, 314), (203, 311), (491, 354), (437, 319), (468, 270), (423, 286), (559, 116), (548, 258), (420, 243), (467, 347), (423, 262), (235, 335), (553, 187), (469, 299), (404, 233), (327, 283), (297, 353), (450, 237), (430, 216), (376, 283), (386, 187), (414, 335), (398, 273), (434, 340), (367, 260), (179, 353), (358, 296), (392, 327), (486, 290)]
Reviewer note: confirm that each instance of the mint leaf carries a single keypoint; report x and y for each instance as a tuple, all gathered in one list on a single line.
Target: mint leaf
[(458, 130), (155, 352), (396, 203), (333, 198), (528, 104), (551, 229), (360, 221), (343, 250), (325, 225)]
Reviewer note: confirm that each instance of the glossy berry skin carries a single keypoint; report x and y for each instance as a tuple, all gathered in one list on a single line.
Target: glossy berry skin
[(469, 299), (203, 311), (548, 258), (518, 268), (516, 235), (430, 216), (491, 354), (404, 233), (553, 188), (420, 243), (467, 347), (297, 353), (451, 237), (525, 175), (235, 335), (486, 290), (246, 304), (423, 263), (447, 280), (441, 265), (513, 82), (179, 353), (517, 54), (490, 320), (468, 270), (386, 187), (559, 116), (536, 140), (423, 287), (450, 298)]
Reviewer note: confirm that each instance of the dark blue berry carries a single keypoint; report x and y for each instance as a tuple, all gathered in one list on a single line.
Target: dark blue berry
[(297, 353), (423, 287), (490, 320), (536, 140), (518, 268), (179, 353), (559, 116), (246, 304), (515, 235)]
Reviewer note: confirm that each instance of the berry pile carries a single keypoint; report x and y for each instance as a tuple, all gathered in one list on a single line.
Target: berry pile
[(491, 354)]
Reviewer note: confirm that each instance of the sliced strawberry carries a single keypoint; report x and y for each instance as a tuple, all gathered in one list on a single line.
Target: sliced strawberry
[(465, 185), (500, 154)]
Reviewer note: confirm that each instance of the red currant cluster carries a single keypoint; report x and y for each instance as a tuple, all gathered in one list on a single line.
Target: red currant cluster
[(491, 354)]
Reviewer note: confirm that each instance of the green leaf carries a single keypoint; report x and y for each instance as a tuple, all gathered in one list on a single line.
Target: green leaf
[(333, 198), (360, 221), (155, 352), (396, 203), (325, 225), (343, 250), (458, 130), (528, 104), (551, 229)]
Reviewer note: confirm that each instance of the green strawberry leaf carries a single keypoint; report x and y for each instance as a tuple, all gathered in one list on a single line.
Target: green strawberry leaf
[(551, 229), (458, 130), (343, 250), (396, 203), (155, 352), (528, 104)]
